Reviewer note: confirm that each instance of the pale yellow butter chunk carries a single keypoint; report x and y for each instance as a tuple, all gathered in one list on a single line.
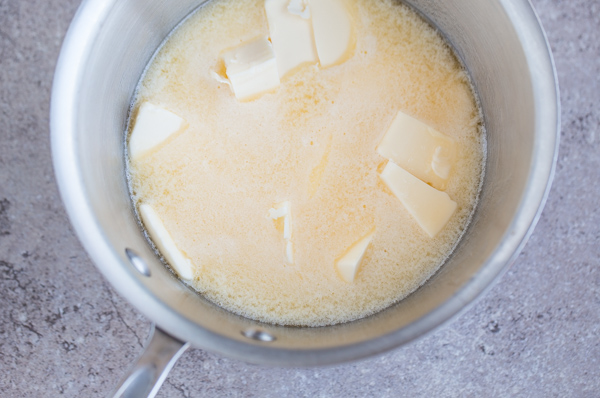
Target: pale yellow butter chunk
[(348, 264), (165, 243), (251, 69), (291, 33), (300, 8), (420, 149), (431, 208), (283, 212), (333, 30), (289, 252), (153, 125)]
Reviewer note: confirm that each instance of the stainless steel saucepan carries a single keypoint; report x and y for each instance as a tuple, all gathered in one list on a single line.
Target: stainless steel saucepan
[(104, 54)]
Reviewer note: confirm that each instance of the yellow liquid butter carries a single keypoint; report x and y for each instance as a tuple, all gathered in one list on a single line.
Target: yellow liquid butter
[(311, 142)]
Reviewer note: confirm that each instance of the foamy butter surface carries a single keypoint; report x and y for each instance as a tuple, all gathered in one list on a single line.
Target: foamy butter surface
[(312, 142)]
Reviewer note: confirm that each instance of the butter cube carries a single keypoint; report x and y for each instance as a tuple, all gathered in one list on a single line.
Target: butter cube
[(153, 125), (333, 30), (289, 252), (291, 34), (348, 264), (165, 244), (251, 69), (300, 8), (419, 149), (283, 212), (431, 208)]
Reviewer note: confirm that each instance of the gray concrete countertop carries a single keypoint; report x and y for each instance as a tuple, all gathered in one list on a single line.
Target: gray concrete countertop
[(63, 330)]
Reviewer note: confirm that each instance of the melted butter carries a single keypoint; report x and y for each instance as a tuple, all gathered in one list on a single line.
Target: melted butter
[(312, 142)]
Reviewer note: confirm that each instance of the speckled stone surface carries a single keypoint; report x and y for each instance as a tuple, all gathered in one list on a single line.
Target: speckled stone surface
[(63, 330)]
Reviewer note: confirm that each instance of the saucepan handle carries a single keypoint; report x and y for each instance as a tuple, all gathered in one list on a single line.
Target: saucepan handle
[(152, 367)]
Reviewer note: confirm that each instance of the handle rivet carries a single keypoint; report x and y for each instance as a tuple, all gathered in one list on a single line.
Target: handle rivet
[(260, 335), (137, 262)]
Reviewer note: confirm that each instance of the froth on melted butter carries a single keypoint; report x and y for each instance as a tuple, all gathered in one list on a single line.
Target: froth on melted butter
[(312, 142)]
